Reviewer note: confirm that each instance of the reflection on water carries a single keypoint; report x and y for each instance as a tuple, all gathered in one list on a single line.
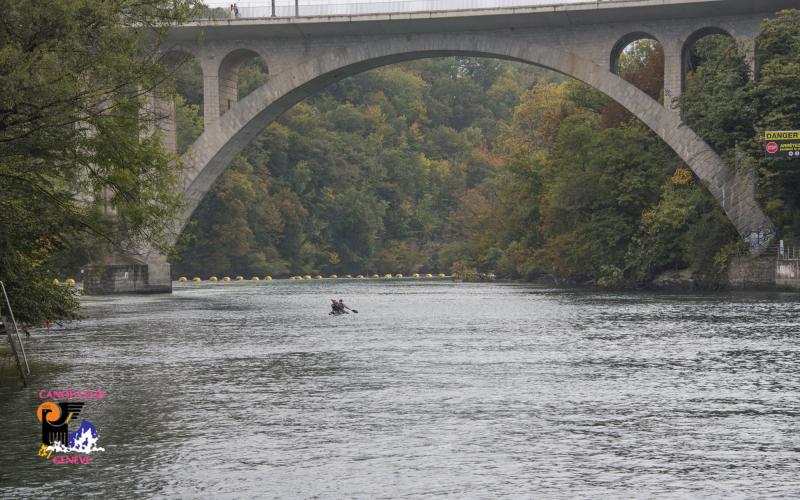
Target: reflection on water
[(434, 389)]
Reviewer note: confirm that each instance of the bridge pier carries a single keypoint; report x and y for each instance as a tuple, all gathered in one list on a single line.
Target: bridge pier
[(127, 274), (673, 73), (146, 271)]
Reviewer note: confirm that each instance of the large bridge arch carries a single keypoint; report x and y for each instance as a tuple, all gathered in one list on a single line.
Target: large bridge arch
[(322, 65)]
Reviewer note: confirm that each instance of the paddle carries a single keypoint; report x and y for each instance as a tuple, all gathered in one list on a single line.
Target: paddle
[(345, 312)]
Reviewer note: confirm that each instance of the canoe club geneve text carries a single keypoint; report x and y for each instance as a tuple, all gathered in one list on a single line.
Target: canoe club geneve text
[(72, 394)]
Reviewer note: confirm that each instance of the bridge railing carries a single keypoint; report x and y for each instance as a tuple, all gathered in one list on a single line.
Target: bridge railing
[(314, 8), (777, 251)]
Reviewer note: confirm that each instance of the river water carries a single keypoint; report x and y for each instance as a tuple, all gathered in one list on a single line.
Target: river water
[(432, 389)]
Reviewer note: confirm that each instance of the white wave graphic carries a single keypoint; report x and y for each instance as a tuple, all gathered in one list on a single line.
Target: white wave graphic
[(84, 443)]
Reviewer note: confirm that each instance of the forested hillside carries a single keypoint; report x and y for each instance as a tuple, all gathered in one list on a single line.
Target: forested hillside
[(367, 176), (480, 166)]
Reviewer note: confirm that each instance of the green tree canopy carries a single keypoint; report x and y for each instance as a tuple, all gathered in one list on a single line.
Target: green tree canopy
[(74, 149)]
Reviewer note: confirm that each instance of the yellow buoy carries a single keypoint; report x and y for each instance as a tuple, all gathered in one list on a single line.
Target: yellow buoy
[(415, 275), (196, 279), (213, 279), (56, 282), (429, 275), (398, 275), (70, 281), (333, 276), (348, 276), (226, 278), (255, 278), (318, 277), (375, 276), (442, 275), (360, 276), (307, 277), (387, 275), (240, 278), (267, 278), (183, 279)]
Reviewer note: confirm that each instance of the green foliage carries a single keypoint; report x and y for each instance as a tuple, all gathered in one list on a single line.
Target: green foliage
[(73, 147), (189, 122), (775, 99), (715, 103), (368, 176), (732, 112)]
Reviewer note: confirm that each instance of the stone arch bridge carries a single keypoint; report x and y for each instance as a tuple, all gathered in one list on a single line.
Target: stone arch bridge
[(580, 40)]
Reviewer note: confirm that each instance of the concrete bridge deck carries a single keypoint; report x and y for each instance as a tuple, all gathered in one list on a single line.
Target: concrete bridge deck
[(527, 14)]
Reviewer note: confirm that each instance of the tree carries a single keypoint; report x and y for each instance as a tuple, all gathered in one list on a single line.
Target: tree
[(74, 149), (775, 99)]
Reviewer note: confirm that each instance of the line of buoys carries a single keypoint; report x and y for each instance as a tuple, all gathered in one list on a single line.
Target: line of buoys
[(196, 279), (67, 282), (214, 279)]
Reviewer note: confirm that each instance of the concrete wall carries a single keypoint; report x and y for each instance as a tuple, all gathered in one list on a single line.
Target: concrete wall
[(787, 273), (110, 279), (764, 272)]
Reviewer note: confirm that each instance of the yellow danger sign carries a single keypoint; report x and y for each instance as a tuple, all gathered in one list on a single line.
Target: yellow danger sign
[(792, 135)]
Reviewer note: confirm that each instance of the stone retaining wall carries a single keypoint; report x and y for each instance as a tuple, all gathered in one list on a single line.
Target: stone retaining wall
[(127, 278), (764, 272), (787, 273)]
